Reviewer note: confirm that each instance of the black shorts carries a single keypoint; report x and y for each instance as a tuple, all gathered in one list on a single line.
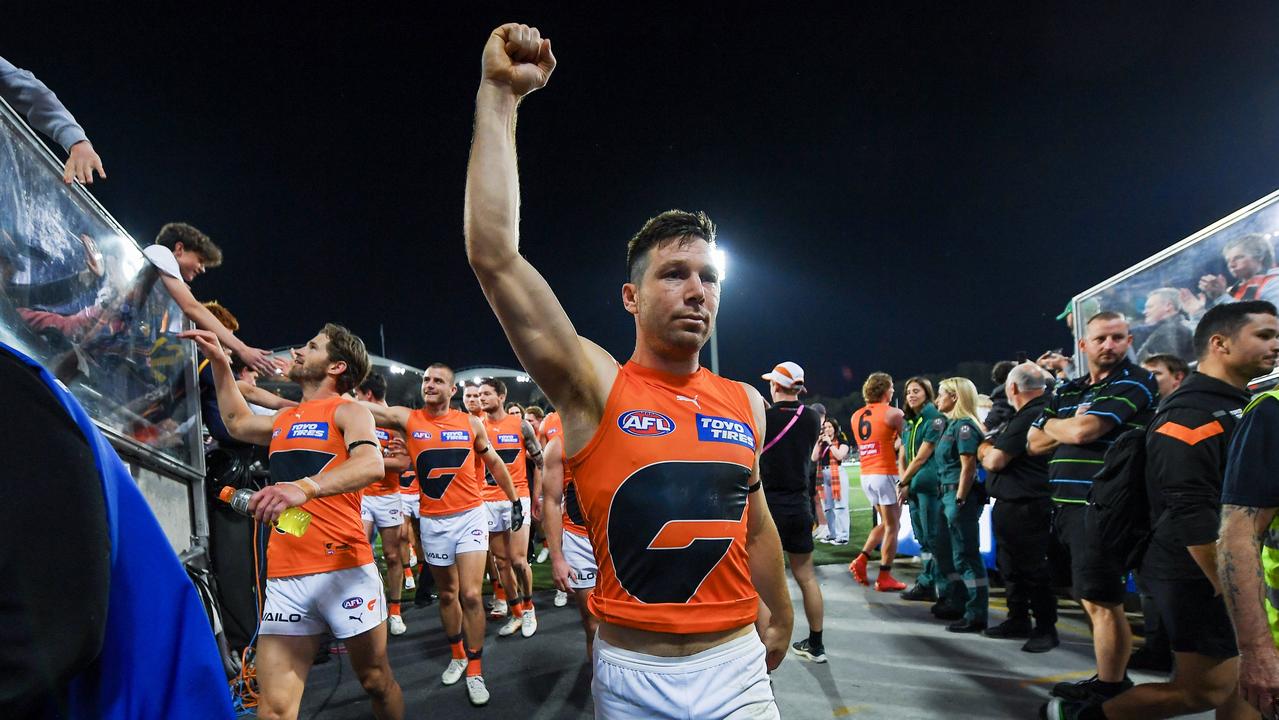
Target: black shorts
[(1094, 576), (1194, 617), (795, 529)]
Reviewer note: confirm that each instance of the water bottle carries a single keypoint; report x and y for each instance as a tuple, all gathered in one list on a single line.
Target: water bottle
[(293, 521)]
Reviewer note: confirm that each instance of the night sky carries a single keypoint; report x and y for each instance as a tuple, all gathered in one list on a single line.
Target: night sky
[(897, 189)]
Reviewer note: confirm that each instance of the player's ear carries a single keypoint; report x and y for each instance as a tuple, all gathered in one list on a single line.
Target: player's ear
[(630, 298)]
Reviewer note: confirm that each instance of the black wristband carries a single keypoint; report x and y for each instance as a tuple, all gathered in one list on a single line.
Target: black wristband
[(752, 488)]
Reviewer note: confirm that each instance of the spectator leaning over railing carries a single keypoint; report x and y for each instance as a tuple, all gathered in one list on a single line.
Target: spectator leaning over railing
[(1186, 455), (182, 253), (1081, 420), (36, 102)]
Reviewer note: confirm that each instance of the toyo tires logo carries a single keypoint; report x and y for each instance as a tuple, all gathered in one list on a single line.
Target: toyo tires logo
[(645, 423)]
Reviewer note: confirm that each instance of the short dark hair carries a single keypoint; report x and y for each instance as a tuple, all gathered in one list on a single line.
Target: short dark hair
[(442, 366), (1173, 364), (1105, 315), (1227, 319), (192, 239), (345, 346), (498, 386), (375, 385), (999, 373), (670, 226)]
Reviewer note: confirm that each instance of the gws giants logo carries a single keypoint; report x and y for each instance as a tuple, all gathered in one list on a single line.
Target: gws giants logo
[(645, 423), (352, 603)]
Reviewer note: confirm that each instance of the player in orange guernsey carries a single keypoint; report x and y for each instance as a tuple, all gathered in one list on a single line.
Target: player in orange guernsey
[(450, 451), (515, 442), (876, 427), (381, 503), (471, 399), (573, 565), (323, 453), (663, 452)]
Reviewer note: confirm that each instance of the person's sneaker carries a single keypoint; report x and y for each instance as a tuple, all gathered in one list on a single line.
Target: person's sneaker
[(453, 672), (838, 542), (395, 624), (408, 582), (920, 593), (1092, 690), (966, 626), (1010, 628), (808, 652), (1146, 659), (511, 626), (542, 555), (499, 610), (887, 583), (858, 568), (528, 624), (561, 598), (1059, 709), (475, 690), (1041, 641)]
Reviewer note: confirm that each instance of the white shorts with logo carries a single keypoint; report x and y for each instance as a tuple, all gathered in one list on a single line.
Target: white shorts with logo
[(445, 537), (727, 682), (342, 602), (412, 505), (500, 514), (880, 489), (383, 510), (580, 557)]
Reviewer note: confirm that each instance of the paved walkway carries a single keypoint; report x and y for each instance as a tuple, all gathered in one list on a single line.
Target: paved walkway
[(888, 659)]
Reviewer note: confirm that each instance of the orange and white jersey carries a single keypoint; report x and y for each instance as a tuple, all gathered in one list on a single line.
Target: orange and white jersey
[(507, 436), (448, 470), (663, 487), (574, 522), (390, 482), (306, 441), (875, 438)]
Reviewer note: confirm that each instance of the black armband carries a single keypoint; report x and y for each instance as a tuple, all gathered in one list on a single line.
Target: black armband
[(484, 451), (358, 443), (752, 488)]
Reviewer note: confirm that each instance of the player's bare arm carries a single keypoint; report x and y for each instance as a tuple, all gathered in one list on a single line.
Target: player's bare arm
[(492, 460), (264, 397), (531, 445), (396, 457), (764, 548), (362, 468), (552, 516), (395, 417), (574, 373), (240, 421)]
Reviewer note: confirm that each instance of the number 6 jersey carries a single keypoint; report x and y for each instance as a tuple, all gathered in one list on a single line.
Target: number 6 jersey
[(663, 488)]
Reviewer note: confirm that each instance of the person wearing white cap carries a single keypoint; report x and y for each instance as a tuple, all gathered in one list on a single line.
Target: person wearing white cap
[(791, 434)]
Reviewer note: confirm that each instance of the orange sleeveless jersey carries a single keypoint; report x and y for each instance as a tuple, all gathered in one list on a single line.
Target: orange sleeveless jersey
[(390, 482), (305, 441), (875, 440), (443, 452), (573, 520), (507, 436), (663, 488)]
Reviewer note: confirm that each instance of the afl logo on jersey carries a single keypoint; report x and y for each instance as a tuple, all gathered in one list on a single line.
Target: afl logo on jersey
[(645, 423), (422, 435)]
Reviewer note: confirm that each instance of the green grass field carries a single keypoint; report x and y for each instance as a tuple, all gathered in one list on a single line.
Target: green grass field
[(823, 554)]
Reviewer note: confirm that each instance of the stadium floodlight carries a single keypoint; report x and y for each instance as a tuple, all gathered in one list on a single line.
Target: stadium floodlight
[(721, 261), (397, 370), (720, 256)]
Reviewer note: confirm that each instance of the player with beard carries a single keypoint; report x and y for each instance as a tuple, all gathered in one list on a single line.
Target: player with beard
[(516, 443), (663, 452), (323, 453), (450, 450)]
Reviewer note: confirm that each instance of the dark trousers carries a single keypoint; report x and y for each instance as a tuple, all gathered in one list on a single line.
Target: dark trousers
[(1023, 531)]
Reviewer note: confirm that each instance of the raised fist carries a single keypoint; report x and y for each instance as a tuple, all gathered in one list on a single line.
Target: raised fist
[(518, 58)]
